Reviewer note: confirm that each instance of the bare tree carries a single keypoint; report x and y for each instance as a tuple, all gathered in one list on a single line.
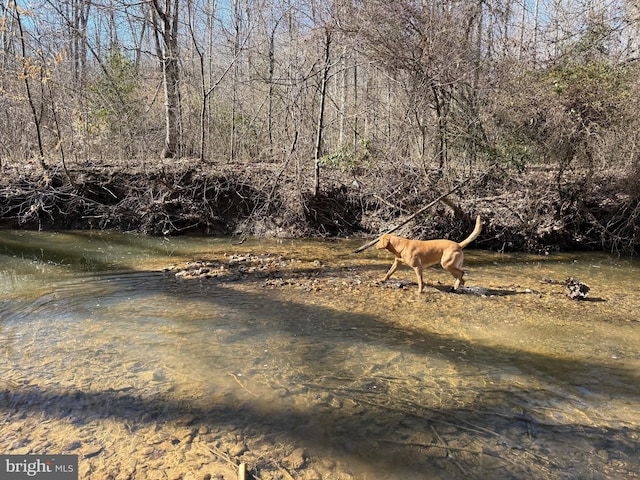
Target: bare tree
[(324, 78), (166, 21), (77, 11), (28, 73)]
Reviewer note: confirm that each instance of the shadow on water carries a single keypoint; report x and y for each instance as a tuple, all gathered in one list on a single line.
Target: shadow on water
[(303, 320), (515, 441)]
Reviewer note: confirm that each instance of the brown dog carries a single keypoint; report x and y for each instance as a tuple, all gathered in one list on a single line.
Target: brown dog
[(419, 254)]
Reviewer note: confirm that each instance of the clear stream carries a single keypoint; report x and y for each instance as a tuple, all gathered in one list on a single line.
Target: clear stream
[(290, 357)]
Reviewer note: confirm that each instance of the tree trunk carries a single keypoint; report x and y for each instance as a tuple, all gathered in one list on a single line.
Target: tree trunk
[(439, 104), (317, 153), (26, 75), (272, 67), (168, 53), (237, 27), (171, 76)]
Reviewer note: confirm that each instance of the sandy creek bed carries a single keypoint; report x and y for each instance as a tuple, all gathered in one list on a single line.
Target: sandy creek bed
[(181, 359)]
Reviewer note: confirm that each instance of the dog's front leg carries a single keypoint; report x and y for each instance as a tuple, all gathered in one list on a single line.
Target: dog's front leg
[(394, 267)]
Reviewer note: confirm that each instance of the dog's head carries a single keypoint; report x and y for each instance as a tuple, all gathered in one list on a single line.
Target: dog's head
[(383, 243)]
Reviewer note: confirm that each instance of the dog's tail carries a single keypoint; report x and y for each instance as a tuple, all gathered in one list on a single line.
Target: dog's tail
[(474, 234)]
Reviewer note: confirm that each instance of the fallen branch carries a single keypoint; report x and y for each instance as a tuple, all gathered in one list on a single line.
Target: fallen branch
[(424, 209)]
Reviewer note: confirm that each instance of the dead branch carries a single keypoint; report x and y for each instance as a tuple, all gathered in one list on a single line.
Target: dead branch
[(427, 207)]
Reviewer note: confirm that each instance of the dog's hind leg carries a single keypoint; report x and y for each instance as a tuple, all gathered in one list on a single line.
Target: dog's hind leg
[(458, 274), (418, 271), (453, 264)]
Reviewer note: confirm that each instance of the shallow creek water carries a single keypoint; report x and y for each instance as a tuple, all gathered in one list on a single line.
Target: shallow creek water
[(289, 357)]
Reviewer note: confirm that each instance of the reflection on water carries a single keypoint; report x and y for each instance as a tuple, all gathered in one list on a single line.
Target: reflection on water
[(292, 345)]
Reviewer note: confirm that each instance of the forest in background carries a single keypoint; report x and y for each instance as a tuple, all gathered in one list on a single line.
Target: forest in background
[(324, 117)]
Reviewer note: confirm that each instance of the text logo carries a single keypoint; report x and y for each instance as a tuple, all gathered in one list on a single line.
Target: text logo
[(44, 467)]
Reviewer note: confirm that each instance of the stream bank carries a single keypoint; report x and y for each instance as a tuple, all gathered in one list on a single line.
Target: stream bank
[(537, 211)]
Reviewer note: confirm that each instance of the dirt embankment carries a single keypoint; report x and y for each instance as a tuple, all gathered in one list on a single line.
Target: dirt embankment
[(536, 211)]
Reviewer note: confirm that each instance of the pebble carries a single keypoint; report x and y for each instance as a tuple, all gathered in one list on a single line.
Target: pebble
[(311, 474), (185, 435), (91, 451), (71, 446), (147, 451), (237, 449), (19, 445), (295, 460)]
